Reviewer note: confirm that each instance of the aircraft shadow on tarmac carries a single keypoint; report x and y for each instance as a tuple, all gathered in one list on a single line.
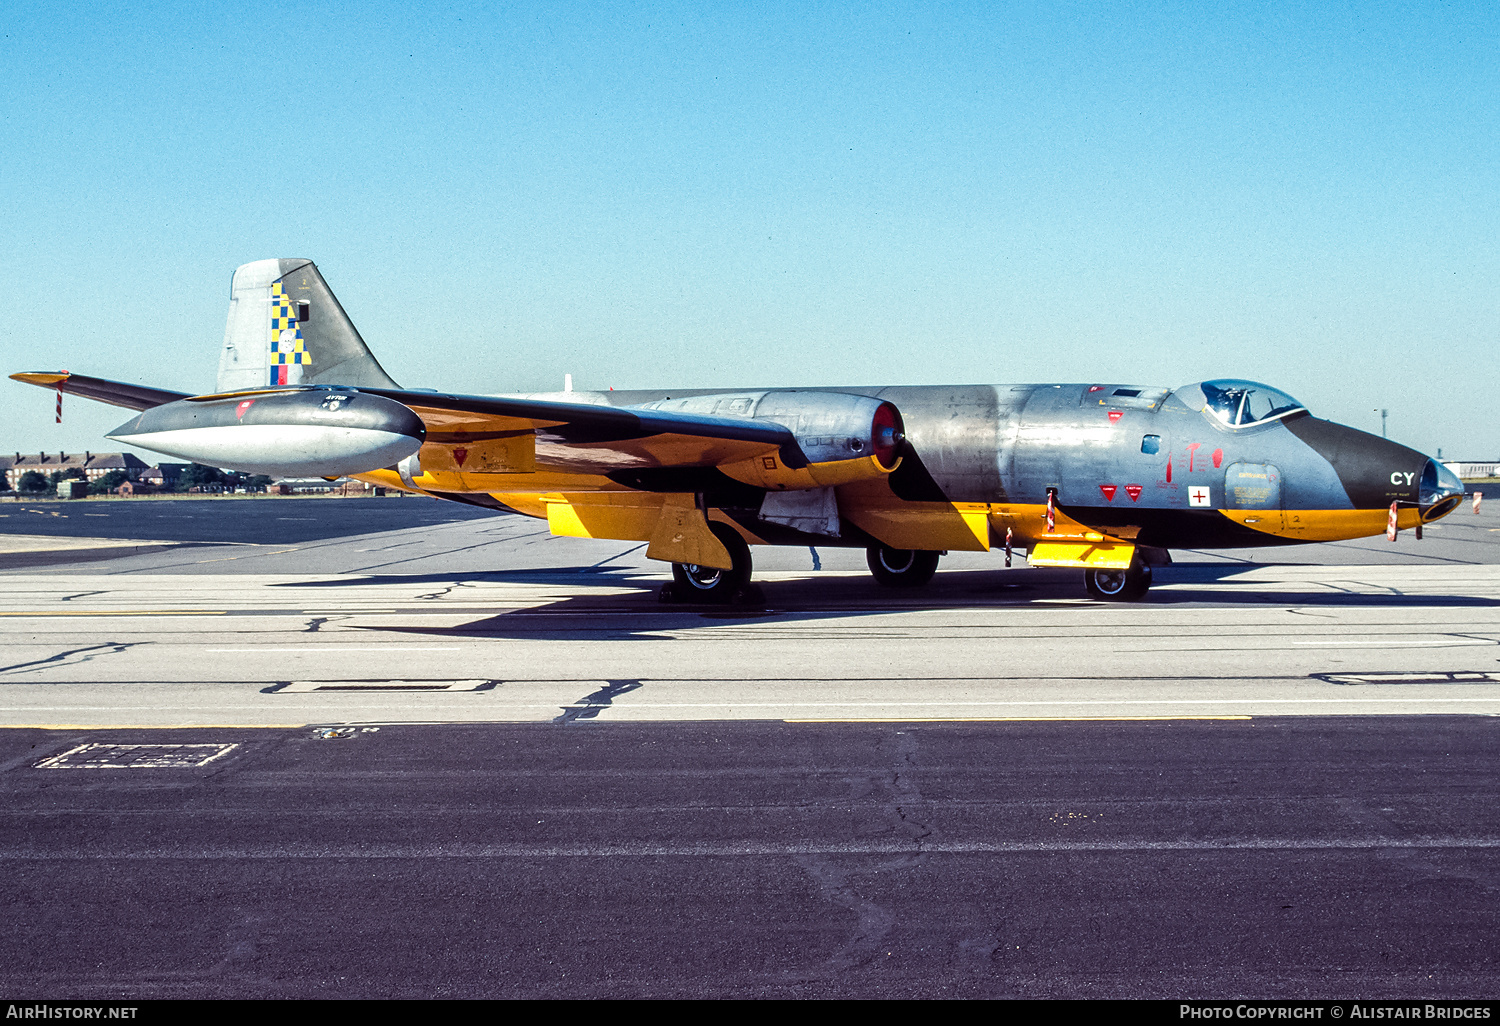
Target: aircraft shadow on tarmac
[(639, 613)]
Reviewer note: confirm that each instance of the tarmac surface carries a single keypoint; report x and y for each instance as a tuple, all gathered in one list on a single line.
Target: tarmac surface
[(336, 747)]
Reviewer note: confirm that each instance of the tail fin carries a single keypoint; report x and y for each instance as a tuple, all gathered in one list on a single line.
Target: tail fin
[(286, 328)]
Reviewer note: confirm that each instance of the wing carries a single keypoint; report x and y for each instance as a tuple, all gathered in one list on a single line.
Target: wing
[(511, 434), (116, 393), (596, 439)]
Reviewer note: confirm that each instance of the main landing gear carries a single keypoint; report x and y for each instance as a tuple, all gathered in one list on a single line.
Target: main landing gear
[(710, 585), (1119, 585), (901, 568)]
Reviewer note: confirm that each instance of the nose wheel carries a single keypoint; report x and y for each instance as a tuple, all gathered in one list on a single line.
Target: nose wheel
[(1119, 585)]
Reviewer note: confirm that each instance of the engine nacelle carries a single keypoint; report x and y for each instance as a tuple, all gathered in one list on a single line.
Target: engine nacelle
[(841, 437), (306, 433)]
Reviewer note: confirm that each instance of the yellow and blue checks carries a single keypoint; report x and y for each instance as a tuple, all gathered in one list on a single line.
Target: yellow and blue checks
[(288, 349)]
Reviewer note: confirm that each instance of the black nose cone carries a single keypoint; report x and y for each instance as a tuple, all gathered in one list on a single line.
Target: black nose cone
[(1374, 471)]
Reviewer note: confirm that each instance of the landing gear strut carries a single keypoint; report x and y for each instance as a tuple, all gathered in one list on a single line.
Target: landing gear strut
[(707, 584), (901, 568), (1119, 585)]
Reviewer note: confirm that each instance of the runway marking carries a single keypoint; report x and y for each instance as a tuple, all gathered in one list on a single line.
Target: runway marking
[(1451, 642), (302, 687), (721, 850), (107, 756), (336, 648), (226, 559), (121, 612), (1454, 677)]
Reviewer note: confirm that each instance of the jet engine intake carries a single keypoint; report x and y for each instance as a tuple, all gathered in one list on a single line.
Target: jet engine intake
[(316, 432)]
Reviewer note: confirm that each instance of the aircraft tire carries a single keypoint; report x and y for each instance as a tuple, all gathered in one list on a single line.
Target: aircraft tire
[(901, 568), (1119, 585), (705, 584)]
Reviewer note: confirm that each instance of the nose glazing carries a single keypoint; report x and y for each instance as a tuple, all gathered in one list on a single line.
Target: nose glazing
[(1441, 491)]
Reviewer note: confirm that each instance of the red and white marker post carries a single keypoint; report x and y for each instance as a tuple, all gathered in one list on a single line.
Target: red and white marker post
[(59, 396), (1478, 495), (1390, 524), (1008, 535)]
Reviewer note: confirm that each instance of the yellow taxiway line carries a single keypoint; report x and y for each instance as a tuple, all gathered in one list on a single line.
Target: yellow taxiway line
[(1012, 719)]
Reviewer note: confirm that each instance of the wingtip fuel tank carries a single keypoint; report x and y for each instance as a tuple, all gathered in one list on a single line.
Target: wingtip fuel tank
[(305, 433)]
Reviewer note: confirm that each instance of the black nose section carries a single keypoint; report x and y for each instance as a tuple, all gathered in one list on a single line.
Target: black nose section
[(1374, 471)]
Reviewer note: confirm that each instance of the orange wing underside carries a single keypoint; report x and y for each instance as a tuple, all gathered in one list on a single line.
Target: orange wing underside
[(519, 444)]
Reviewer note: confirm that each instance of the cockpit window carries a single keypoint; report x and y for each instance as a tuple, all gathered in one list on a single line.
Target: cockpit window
[(1242, 403)]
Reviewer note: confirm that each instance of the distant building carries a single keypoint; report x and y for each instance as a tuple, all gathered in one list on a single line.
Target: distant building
[(163, 476), (1474, 470), (93, 464), (133, 488), (303, 486)]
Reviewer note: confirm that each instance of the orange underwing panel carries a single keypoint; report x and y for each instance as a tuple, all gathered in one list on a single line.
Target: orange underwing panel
[(663, 450), (1100, 555), (622, 516)]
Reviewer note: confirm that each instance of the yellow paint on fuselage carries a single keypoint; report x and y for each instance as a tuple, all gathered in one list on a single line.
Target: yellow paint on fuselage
[(1319, 525)]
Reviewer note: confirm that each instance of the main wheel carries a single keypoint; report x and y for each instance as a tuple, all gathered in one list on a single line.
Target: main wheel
[(901, 568), (1119, 585), (694, 583)]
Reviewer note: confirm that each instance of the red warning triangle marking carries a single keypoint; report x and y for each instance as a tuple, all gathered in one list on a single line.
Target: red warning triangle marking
[(459, 455), (1115, 415), (242, 408), (1109, 492), (1134, 491)]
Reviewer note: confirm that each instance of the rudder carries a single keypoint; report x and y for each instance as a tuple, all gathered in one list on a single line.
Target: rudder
[(286, 327)]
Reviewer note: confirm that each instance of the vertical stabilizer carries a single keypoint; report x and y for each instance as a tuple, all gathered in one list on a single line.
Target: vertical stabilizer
[(286, 328)]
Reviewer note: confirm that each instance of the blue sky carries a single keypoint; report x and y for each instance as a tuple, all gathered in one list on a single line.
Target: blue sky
[(657, 195)]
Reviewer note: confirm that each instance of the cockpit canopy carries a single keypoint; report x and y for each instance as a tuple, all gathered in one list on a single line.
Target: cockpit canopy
[(1238, 404)]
